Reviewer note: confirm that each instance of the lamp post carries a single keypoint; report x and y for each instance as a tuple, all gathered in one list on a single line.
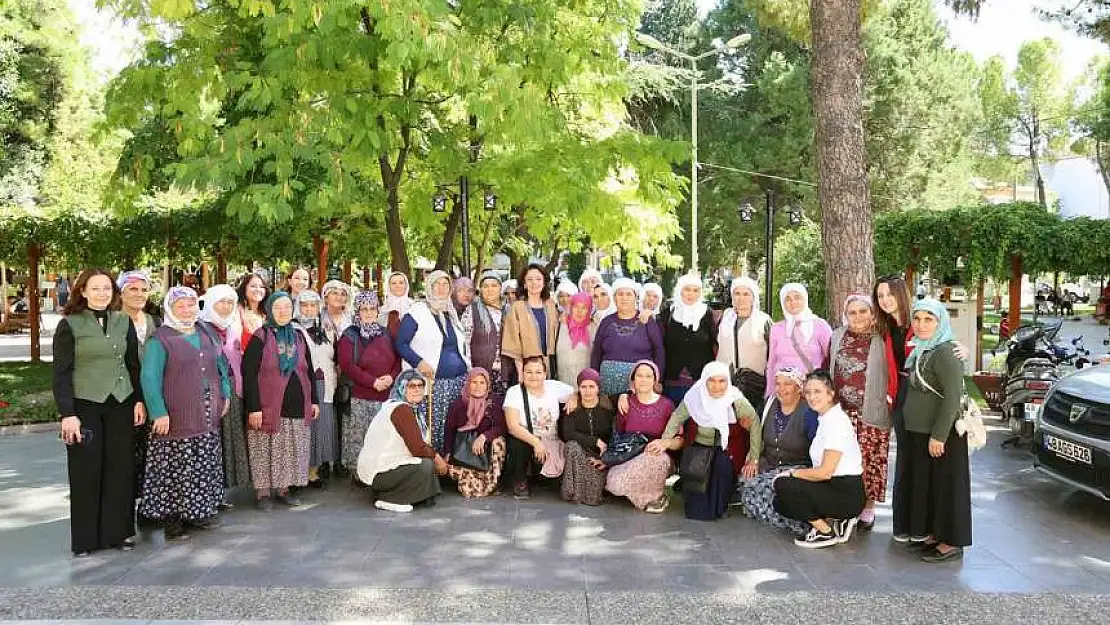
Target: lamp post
[(651, 42), (462, 198), (747, 212)]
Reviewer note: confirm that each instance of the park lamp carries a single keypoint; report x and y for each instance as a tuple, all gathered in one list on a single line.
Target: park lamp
[(795, 215), (747, 211), (489, 201), (439, 202)]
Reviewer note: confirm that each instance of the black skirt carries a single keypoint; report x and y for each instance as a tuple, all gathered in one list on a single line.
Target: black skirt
[(713, 503), (933, 495)]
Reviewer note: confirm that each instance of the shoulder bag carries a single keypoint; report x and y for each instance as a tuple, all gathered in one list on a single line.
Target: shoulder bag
[(696, 466), (624, 446)]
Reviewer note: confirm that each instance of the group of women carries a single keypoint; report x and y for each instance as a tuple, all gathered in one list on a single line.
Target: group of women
[(591, 388)]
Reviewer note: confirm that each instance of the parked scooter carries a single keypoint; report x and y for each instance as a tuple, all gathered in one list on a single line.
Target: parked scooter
[(1031, 370)]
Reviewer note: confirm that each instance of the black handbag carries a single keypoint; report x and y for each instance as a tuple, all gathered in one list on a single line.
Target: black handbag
[(696, 466), (624, 446), (463, 454)]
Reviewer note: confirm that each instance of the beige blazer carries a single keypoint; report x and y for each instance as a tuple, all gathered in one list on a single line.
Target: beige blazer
[(520, 336)]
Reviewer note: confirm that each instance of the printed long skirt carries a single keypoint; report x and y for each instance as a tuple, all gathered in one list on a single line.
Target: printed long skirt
[(233, 441), (184, 479), (582, 482), (280, 460), (713, 503), (758, 497), (444, 393), (355, 425), (614, 376), (481, 483), (642, 479), (874, 446), (325, 444)]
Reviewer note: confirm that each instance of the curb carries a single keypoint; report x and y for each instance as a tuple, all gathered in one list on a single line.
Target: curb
[(28, 428)]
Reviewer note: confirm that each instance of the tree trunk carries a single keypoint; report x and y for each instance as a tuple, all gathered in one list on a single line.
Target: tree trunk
[(447, 247), (366, 277), (221, 267), (34, 256), (846, 229), (1034, 161), (379, 279), (399, 256), (320, 245), (1014, 315), (205, 277), (980, 304), (348, 271)]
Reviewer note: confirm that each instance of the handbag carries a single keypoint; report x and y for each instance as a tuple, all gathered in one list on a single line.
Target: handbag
[(696, 465), (624, 446), (463, 453)]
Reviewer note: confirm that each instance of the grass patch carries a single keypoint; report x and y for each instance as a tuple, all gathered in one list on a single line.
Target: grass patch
[(974, 394), (26, 387)]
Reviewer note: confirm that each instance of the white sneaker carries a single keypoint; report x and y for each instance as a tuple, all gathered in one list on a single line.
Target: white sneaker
[(843, 529), (392, 507), (817, 540)]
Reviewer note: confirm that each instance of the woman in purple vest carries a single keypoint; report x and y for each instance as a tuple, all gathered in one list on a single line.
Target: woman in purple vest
[(187, 390), (280, 399)]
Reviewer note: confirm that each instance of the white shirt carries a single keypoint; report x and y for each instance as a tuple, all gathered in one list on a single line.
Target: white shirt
[(835, 432), (545, 409)]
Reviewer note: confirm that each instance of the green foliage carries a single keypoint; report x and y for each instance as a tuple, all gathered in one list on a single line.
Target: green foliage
[(799, 258)]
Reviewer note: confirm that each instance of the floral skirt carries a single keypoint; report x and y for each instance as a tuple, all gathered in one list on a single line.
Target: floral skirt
[(280, 460), (183, 478), (614, 376), (582, 482), (444, 393), (481, 483), (758, 497), (642, 479), (355, 425), (325, 444), (874, 446), (233, 439)]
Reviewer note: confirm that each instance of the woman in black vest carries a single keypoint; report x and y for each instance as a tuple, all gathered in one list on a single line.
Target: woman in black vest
[(689, 338), (96, 382)]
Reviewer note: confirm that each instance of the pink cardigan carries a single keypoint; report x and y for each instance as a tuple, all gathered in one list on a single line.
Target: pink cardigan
[(782, 352)]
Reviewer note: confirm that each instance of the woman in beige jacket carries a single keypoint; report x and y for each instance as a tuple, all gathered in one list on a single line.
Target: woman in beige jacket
[(530, 327)]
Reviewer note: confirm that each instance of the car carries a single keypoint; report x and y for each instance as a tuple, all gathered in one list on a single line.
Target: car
[(1071, 439)]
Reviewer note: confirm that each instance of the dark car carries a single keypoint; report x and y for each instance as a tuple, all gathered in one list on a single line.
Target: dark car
[(1072, 436)]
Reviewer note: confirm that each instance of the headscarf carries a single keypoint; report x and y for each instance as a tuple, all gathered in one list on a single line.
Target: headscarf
[(940, 337), (475, 407), (286, 335), (589, 273), (367, 330), (216, 294), (437, 304), (398, 303), (325, 316), (172, 295), (134, 275), (566, 286), (710, 412), (623, 283), (795, 375), (689, 315), (579, 332), (481, 308), (605, 312), (588, 374), (312, 325), (758, 319), (855, 297), (508, 287), (650, 363), (397, 394), (804, 319), (652, 287), (460, 284)]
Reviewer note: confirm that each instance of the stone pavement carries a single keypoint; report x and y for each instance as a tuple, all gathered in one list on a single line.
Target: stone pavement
[(1041, 552)]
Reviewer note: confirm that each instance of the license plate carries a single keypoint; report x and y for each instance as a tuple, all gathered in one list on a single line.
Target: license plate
[(1067, 449)]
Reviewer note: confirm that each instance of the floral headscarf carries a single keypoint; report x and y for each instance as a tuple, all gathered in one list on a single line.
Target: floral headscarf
[(174, 294), (367, 330), (397, 394)]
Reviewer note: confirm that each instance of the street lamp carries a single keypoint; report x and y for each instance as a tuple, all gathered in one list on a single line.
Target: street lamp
[(648, 41), (747, 213), (462, 197)]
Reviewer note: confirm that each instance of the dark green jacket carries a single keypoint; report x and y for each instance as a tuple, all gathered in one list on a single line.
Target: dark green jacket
[(927, 412)]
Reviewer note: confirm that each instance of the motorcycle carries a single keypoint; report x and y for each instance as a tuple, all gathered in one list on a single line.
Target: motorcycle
[(1031, 370)]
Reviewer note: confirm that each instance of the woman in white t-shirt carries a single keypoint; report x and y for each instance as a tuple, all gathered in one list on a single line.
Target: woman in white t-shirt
[(830, 495), (534, 430)]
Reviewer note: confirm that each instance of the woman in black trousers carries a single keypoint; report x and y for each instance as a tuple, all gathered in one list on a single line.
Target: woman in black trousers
[(96, 388)]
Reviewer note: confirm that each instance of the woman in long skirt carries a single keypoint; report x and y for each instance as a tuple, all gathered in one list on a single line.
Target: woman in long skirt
[(186, 388), (325, 434), (588, 430), (370, 365), (221, 316), (643, 479), (480, 412)]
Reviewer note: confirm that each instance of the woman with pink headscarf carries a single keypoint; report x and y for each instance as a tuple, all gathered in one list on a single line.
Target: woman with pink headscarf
[(478, 418), (575, 339)]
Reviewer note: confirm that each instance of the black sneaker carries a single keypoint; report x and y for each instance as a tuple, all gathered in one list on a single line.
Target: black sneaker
[(816, 540), (520, 490), (843, 528)]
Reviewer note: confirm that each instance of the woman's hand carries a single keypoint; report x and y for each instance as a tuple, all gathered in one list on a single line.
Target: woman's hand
[(622, 403), (781, 474), (140, 413), (960, 350), (601, 446), (161, 426), (936, 448), (597, 464), (71, 430), (426, 369), (746, 422), (227, 407), (540, 452), (656, 447), (572, 404), (479, 445), (254, 420), (751, 467), (314, 413), (440, 464), (645, 316)]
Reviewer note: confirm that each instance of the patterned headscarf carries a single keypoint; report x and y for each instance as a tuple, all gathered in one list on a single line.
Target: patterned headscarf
[(311, 325), (397, 394), (795, 375), (325, 316), (855, 297), (286, 334), (480, 307), (367, 330), (437, 304), (132, 276), (172, 295)]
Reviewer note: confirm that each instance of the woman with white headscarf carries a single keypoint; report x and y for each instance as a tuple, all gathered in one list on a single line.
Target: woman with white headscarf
[(744, 340), (801, 340), (589, 280), (723, 421), (187, 390), (622, 340), (653, 298), (604, 302), (689, 338), (563, 293), (324, 451), (397, 301), (431, 340), (221, 317)]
